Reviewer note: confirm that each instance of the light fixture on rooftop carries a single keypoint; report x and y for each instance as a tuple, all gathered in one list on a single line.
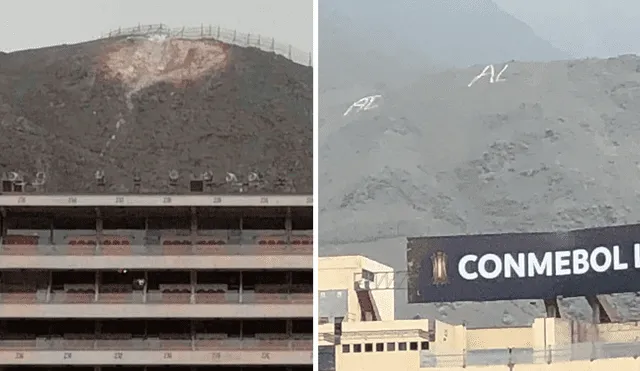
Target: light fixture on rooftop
[(137, 181), (41, 178), (208, 180), (253, 177), (196, 184), (173, 177), (231, 178), (8, 180), (39, 181), (99, 175)]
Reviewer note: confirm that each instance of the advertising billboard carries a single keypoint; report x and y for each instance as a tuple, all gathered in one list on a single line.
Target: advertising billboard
[(524, 265)]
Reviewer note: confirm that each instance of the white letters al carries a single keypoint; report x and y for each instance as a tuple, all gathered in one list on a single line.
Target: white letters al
[(491, 72), (363, 104)]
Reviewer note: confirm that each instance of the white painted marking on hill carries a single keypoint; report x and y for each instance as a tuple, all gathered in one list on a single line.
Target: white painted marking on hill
[(363, 104), (491, 72)]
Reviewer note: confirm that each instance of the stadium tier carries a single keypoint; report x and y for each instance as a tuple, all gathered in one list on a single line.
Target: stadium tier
[(144, 281)]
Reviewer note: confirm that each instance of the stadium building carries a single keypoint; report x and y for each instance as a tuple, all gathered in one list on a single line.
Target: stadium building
[(146, 282), (358, 332)]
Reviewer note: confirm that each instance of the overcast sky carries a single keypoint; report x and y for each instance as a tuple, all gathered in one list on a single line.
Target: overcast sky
[(602, 28), (30, 24)]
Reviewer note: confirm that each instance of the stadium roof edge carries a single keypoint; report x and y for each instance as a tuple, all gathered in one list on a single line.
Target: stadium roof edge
[(144, 200)]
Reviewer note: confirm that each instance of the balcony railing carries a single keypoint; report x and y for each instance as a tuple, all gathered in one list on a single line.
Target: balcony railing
[(155, 298), (44, 344), (185, 245)]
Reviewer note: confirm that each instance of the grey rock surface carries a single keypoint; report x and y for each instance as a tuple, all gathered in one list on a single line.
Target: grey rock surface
[(551, 148)]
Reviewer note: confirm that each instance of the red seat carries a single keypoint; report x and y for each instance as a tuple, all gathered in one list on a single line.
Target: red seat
[(20, 245), (81, 245), (272, 245), (115, 245)]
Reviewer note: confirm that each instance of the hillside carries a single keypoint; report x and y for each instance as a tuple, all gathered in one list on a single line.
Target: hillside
[(551, 148), (150, 105), (364, 41)]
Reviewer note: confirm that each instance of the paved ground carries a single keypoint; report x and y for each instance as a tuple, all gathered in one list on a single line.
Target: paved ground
[(551, 148), (144, 105)]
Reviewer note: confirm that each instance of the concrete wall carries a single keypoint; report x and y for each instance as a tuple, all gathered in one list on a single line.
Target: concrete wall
[(340, 272), (620, 364), (619, 332), (493, 338)]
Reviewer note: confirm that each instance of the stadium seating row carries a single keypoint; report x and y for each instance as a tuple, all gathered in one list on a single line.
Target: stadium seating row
[(33, 297), (122, 245)]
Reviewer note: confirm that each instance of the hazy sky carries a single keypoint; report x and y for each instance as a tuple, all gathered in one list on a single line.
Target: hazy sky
[(30, 24), (582, 27)]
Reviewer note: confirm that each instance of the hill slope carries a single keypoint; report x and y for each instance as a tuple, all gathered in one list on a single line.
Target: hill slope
[(379, 40), (152, 105), (550, 148)]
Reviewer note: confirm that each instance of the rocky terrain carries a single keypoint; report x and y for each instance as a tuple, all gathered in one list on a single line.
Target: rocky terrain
[(550, 148), (149, 105)]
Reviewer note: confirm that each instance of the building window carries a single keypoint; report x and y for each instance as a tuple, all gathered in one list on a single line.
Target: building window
[(391, 347), (413, 345), (357, 348), (380, 347), (346, 348), (424, 345), (368, 275), (368, 347), (402, 346)]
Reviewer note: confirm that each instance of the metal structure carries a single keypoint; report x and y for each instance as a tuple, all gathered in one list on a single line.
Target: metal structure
[(216, 33), (603, 310)]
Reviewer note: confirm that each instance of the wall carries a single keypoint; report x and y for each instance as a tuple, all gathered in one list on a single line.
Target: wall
[(493, 338), (619, 332), (384, 297), (337, 273), (325, 334), (404, 361), (340, 272), (326, 358), (621, 364)]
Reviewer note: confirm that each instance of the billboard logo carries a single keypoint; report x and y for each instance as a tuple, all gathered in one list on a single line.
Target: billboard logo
[(439, 266)]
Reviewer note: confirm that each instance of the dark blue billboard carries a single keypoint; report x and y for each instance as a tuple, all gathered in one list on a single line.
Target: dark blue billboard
[(524, 265)]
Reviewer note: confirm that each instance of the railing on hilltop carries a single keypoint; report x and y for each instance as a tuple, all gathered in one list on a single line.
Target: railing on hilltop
[(217, 33)]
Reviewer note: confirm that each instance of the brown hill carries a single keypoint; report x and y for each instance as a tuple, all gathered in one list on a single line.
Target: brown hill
[(149, 105)]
